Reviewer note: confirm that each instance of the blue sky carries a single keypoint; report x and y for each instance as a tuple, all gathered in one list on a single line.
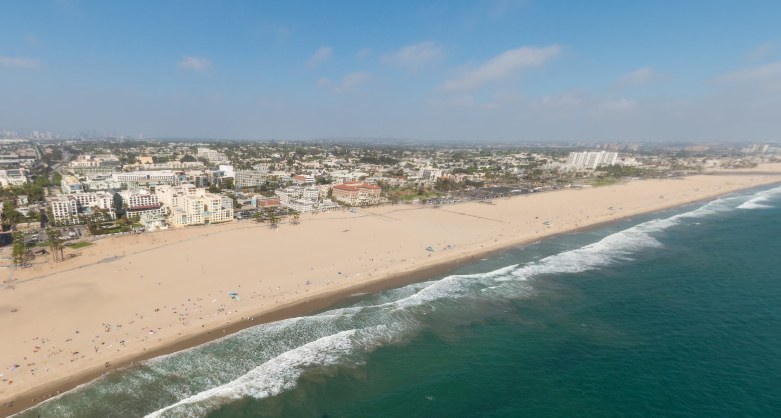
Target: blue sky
[(493, 70)]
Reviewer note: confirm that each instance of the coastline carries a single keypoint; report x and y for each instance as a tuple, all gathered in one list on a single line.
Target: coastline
[(390, 278)]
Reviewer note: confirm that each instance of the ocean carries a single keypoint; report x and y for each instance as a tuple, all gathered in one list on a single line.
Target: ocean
[(676, 313)]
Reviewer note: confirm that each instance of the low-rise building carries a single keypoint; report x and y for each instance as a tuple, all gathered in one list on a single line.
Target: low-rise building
[(264, 202), (71, 184), (101, 182), (304, 199), (302, 179), (95, 164), (357, 193), (13, 177), (135, 179)]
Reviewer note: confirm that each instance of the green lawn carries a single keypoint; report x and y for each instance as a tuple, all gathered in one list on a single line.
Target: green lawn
[(79, 245)]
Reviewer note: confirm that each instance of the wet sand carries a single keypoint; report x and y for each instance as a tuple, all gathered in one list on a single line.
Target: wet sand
[(129, 298)]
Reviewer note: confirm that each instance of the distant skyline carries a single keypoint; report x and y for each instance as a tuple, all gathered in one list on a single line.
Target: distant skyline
[(491, 70)]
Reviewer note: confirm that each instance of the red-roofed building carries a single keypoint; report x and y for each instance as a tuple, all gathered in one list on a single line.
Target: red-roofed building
[(357, 193), (303, 179)]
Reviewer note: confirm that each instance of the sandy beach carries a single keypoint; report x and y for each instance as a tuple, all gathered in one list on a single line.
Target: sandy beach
[(128, 298)]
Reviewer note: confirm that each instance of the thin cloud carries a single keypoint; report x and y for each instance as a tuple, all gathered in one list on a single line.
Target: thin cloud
[(350, 83), (415, 57), (765, 72), (363, 53), (617, 106), (637, 77), (760, 81), (196, 64), (761, 52), (501, 67), (320, 56), (19, 63)]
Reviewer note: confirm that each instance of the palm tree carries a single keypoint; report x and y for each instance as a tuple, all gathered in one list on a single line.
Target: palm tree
[(260, 215), (54, 239), (296, 218), (19, 251), (273, 219)]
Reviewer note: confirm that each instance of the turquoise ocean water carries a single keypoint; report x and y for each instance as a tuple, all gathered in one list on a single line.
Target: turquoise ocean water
[(672, 314)]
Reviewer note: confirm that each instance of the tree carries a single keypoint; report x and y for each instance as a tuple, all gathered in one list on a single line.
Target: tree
[(94, 222), (10, 215), (259, 215), (295, 218), (188, 159), (49, 216), (445, 185), (19, 252), (54, 239), (273, 219)]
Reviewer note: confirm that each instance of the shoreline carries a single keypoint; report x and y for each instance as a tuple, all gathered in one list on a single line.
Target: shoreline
[(320, 301)]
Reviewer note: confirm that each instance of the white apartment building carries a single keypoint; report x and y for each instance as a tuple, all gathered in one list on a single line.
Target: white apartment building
[(227, 170), (67, 208), (100, 200), (133, 179), (94, 161), (289, 194), (138, 199), (591, 159), (249, 178), (142, 203), (170, 165), (95, 164), (304, 199), (211, 155), (431, 174), (101, 182), (218, 208), (188, 205), (65, 211), (13, 177), (309, 206)]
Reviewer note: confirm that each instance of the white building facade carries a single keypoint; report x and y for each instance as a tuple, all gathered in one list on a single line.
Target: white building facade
[(187, 205), (591, 159)]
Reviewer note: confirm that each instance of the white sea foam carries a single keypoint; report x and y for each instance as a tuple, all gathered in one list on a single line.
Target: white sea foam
[(270, 378), (287, 349), (759, 201)]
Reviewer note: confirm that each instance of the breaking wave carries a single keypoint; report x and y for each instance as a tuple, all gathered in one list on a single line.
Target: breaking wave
[(759, 201), (269, 359)]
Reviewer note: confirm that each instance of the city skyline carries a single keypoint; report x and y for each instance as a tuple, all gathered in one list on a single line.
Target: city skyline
[(490, 70)]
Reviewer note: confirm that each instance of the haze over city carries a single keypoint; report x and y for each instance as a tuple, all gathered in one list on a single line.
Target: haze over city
[(435, 208), (438, 70)]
